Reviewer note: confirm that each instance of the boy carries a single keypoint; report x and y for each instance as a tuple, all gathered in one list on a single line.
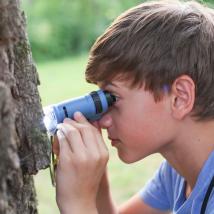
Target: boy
[(158, 60)]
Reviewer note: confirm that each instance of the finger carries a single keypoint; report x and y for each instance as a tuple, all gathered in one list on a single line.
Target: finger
[(63, 144), (99, 136), (73, 137), (97, 126), (65, 154), (87, 132), (101, 143), (79, 117), (92, 138)]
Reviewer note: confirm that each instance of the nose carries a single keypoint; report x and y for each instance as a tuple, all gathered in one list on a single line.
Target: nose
[(105, 121)]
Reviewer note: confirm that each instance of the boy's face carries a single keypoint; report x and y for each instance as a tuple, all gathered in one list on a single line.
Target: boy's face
[(137, 125)]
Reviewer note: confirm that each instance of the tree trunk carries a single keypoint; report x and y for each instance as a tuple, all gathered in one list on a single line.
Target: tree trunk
[(24, 146)]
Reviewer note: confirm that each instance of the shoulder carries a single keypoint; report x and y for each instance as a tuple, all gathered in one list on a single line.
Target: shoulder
[(161, 190), (168, 174)]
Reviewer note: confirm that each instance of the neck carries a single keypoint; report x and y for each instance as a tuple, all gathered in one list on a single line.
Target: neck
[(188, 153)]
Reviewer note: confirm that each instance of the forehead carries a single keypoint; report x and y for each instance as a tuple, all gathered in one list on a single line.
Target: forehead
[(105, 84), (118, 81), (121, 88), (119, 84), (116, 84)]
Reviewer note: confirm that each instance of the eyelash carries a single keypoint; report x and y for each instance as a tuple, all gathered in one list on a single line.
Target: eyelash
[(117, 97)]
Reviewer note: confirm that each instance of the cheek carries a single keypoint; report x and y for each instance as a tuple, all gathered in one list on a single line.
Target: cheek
[(128, 124), (141, 125)]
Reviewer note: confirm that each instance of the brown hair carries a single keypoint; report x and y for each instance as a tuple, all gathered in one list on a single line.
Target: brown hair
[(154, 43)]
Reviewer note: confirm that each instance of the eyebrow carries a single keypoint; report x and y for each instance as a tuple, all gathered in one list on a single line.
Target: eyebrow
[(107, 83)]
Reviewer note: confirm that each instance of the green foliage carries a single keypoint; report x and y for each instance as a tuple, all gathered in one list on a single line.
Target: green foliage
[(63, 79), (60, 28)]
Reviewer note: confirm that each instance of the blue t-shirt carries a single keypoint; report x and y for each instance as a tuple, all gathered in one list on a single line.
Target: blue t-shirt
[(166, 190)]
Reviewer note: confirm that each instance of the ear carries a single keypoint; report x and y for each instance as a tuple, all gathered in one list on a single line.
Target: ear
[(182, 96)]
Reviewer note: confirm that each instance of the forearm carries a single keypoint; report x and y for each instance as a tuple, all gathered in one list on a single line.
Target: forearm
[(79, 211), (104, 201), (79, 208), (105, 205)]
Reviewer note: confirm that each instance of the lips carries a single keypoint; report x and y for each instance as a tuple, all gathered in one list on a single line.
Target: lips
[(114, 141), (111, 138)]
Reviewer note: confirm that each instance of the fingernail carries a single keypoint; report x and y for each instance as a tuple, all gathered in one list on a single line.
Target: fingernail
[(66, 119), (60, 134), (78, 114), (59, 126)]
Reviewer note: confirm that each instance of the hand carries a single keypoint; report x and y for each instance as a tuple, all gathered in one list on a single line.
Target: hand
[(83, 156)]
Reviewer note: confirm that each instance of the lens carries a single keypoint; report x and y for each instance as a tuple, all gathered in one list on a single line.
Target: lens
[(50, 120)]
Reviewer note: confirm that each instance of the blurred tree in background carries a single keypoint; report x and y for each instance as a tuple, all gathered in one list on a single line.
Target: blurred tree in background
[(59, 28)]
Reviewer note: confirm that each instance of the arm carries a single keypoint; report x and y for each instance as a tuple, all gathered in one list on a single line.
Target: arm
[(137, 206), (81, 164), (105, 204)]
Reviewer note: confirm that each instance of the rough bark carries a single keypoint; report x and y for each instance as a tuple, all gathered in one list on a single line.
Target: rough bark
[(24, 146)]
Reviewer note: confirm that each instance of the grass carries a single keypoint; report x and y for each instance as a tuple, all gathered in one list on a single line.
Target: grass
[(64, 79)]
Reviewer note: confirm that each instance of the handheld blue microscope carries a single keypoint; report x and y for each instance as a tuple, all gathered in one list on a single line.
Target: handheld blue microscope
[(92, 106)]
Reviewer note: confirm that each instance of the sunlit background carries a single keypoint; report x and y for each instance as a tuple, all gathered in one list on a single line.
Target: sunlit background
[(61, 33)]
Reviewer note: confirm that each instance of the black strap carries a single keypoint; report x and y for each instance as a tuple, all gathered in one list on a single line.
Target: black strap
[(206, 198), (97, 102)]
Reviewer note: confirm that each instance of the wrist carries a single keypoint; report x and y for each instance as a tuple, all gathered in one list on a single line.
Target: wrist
[(79, 210), (79, 207)]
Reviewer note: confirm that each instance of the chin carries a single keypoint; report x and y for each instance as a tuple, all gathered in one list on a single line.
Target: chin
[(127, 158)]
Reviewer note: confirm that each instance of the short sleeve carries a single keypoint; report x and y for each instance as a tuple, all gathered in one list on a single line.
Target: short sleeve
[(157, 193), (210, 206)]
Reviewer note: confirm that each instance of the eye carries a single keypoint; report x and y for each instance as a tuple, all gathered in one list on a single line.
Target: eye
[(116, 97)]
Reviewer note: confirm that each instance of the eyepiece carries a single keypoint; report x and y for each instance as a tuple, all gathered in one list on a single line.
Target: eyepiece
[(97, 102), (111, 99)]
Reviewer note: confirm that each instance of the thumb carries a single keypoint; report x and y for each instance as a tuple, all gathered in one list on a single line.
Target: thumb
[(96, 124), (79, 117)]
